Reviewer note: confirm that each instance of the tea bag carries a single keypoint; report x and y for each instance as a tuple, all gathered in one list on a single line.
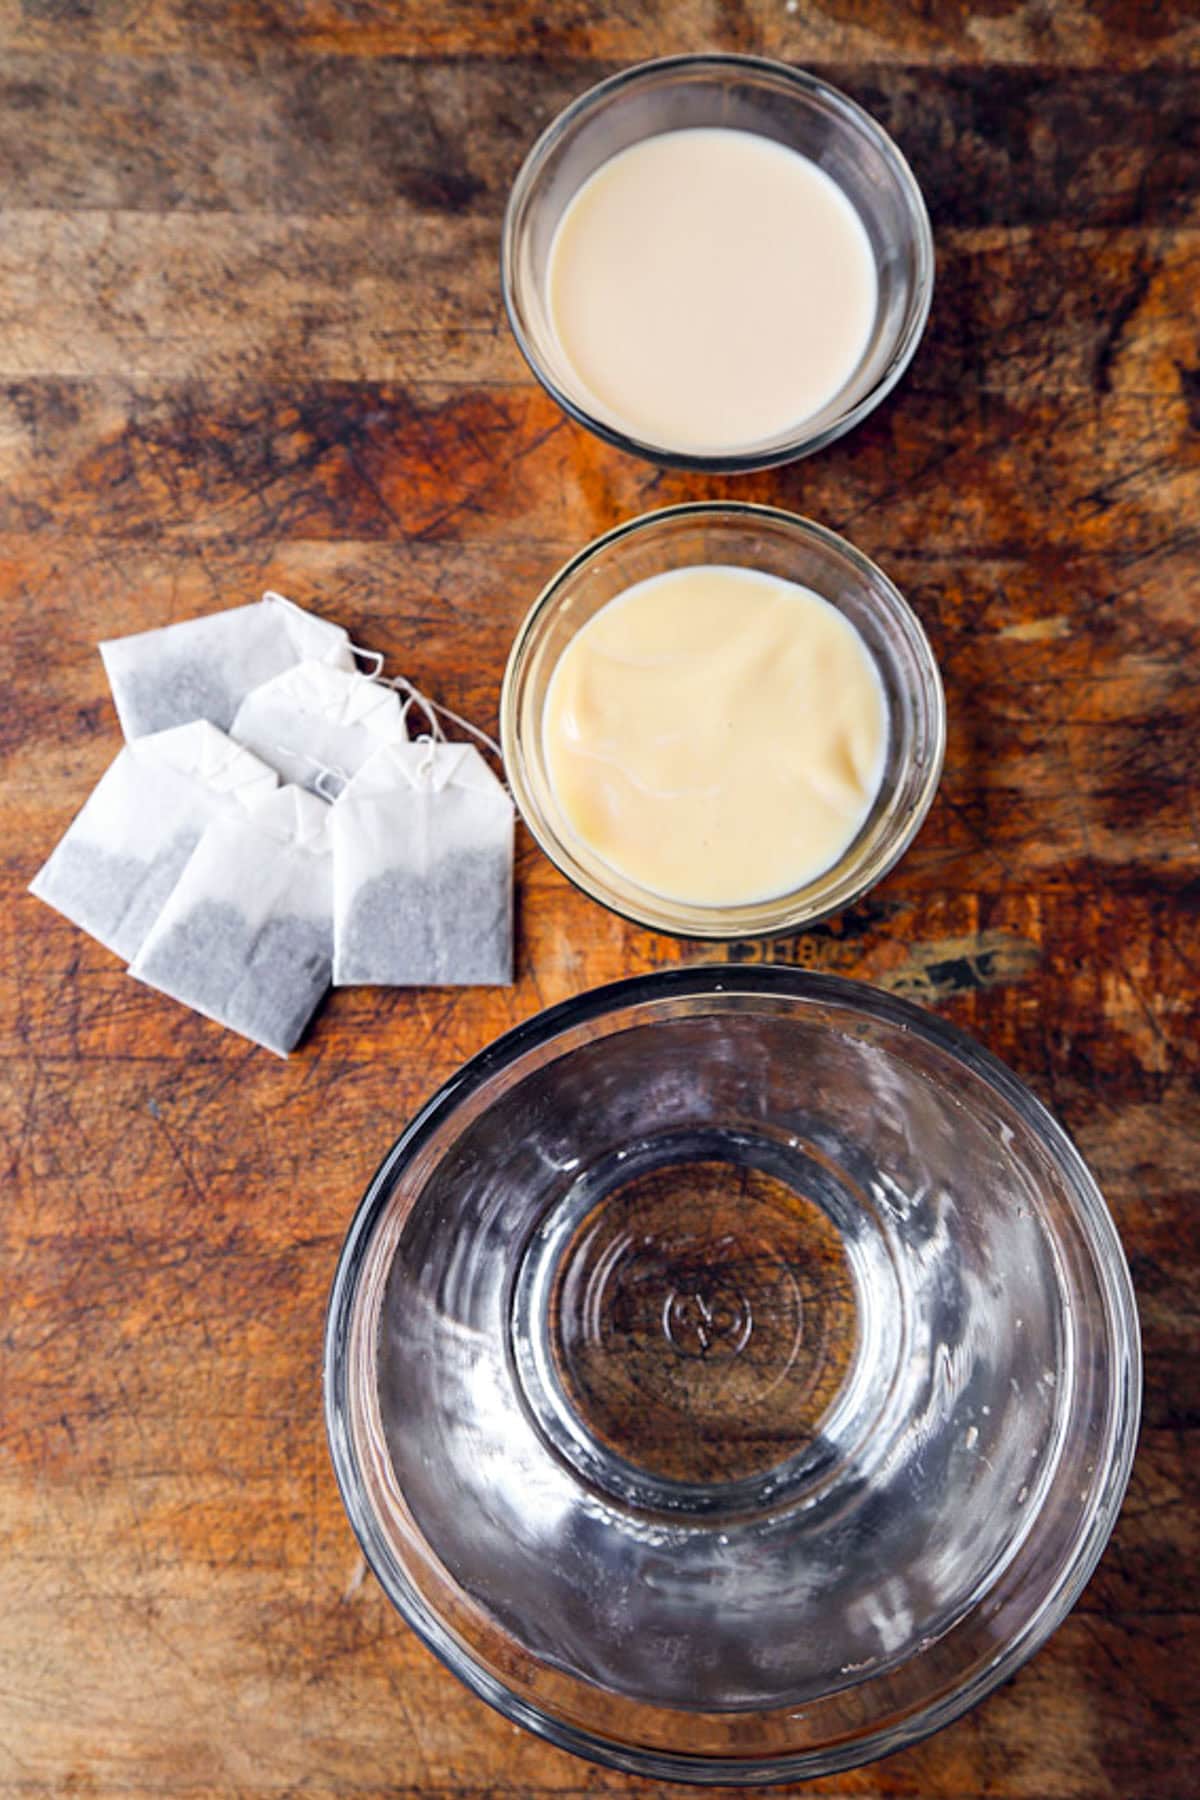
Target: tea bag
[(112, 872), (314, 720), (202, 668), (422, 856), (246, 936)]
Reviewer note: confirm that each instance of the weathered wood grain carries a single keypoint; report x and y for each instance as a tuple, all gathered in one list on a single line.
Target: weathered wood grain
[(1074, 33), (250, 335), (992, 146), (970, 473)]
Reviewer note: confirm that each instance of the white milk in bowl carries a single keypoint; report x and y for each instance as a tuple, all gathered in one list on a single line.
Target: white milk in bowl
[(710, 289)]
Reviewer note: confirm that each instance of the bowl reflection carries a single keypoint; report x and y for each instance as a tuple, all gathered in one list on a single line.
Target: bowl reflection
[(733, 1374)]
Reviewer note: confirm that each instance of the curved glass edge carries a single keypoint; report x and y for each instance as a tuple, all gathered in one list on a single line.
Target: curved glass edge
[(743, 923), (794, 449), (698, 981)]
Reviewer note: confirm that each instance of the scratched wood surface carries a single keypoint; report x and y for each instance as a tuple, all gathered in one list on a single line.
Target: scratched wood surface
[(250, 334)]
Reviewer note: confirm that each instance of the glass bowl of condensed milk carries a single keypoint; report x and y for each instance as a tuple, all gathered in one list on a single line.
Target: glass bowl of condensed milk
[(717, 262), (722, 721), (732, 1374)]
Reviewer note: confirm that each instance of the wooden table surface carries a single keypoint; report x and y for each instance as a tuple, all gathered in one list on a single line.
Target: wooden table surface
[(251, 335)]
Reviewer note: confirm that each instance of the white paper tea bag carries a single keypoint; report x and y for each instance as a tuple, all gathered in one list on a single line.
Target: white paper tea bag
[(313, 720), (423, 854), (246, 936), (112, 872), (202, 668)]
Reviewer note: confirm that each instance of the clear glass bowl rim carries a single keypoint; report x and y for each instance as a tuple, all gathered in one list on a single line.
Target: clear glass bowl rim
[(809, 86), (705, 980), (785, 914)]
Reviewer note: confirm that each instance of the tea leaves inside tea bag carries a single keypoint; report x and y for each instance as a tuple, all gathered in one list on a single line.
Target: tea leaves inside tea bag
[(312, 719), (112, 872), (423, 847), (246, 936), (202, 668)]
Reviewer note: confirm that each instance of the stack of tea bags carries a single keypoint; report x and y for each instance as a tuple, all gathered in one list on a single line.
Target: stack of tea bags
[(270, 826)]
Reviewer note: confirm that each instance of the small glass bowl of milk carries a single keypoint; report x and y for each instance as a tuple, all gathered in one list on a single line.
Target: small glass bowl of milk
[(722, 721), (717, 262)]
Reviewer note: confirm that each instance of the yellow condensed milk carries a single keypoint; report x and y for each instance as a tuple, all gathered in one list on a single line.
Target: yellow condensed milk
[(716, 735), (711, 288)]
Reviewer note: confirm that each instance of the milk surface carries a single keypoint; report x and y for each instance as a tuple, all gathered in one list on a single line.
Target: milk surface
[(711, 288), (716, 734)]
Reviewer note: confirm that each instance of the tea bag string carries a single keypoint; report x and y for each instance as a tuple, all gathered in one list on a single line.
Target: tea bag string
[(374, 658), (413, 697), (431, 738), (435, 712), (326, 772)]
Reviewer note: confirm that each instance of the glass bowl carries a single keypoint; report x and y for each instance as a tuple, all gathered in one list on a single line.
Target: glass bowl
[(746, 93), (756, 537), (732, 1374)]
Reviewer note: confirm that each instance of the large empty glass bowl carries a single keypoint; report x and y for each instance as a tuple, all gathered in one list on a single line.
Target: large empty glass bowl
[(733, 1374)]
